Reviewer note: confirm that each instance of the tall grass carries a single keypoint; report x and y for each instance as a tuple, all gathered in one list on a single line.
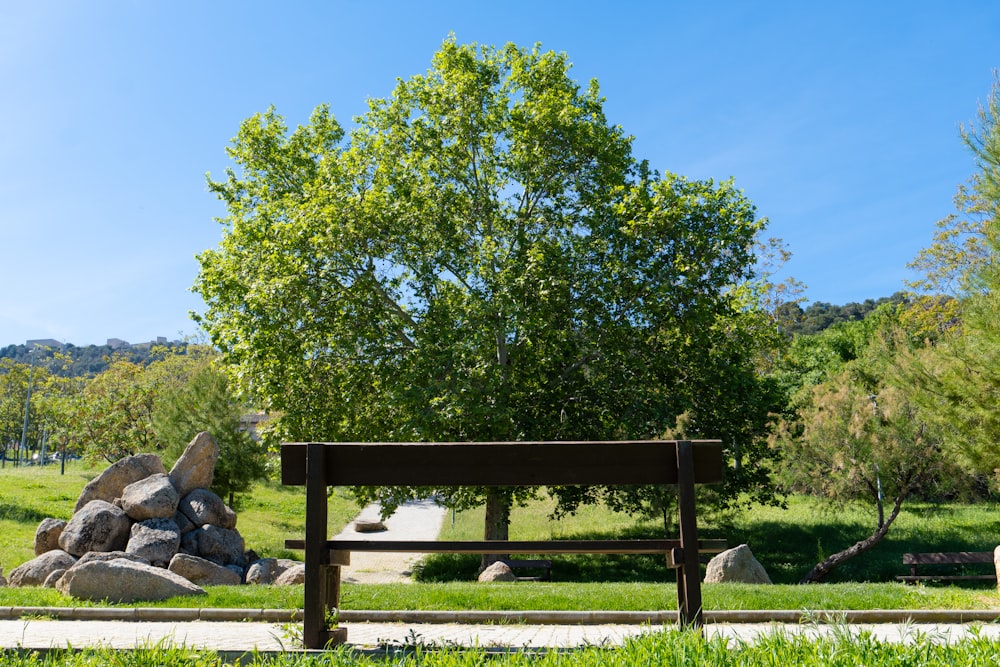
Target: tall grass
[(662, 648)]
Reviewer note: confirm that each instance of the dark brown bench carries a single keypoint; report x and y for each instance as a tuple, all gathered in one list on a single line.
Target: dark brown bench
[(947, 558), (533, 564), (321, 465)]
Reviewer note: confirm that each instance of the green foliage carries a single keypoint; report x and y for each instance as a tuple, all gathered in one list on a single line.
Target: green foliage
[(483, 259), (114, 416), (820, 316), (956, 381), (204, 402)]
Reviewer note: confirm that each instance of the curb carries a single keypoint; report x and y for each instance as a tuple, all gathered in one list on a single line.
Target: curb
[(166, 614)]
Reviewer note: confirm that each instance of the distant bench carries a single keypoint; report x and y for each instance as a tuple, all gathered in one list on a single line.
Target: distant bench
[(947, 558), (544, 565), (320, 465)]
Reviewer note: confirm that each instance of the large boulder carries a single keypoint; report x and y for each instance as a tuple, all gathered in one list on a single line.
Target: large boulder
[(736, 565), (498, 571), (292, 576), (155, 540), (220, 545), (37, 570), (97, 526), (202, 508), (151, 498), (263, 571), (196, 466), (121, 580), (109, 484), (47, 535), (203, 572)]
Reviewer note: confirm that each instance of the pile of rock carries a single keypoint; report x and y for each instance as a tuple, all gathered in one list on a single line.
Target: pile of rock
[(140, 533)]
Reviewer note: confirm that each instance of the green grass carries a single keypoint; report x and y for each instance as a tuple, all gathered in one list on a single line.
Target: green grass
[(524, 596), (268, 515), (787, 541), (662, 648)]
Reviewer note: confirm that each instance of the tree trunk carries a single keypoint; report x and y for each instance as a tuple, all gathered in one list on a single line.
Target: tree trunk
[(822, 569), (497, 522)]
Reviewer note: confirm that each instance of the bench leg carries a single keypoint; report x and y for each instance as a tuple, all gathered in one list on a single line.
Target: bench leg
[(314, 633), (689, 573)]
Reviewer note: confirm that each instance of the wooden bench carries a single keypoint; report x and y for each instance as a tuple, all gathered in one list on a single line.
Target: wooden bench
[(947, 558), (321, 465), (538, 564)]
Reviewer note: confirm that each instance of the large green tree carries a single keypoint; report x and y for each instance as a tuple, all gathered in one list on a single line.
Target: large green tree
[(482, 258)]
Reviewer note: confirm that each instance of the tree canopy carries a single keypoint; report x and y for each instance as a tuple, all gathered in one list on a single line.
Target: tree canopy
[(482, 258)]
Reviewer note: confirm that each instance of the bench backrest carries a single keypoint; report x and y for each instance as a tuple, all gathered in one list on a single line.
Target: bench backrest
[(502, 463), (949, 558)]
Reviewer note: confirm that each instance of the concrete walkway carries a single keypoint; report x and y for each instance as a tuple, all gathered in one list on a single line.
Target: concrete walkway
[(229, 637), (419, 520)]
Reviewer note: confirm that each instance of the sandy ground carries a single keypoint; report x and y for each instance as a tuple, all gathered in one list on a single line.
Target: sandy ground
[(414, 521)]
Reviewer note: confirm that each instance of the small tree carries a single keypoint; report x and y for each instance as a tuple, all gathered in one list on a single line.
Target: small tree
[(856, 436), (204, 402)]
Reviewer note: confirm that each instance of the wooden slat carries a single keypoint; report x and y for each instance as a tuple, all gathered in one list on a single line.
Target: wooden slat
[(503, 464), (958, 577), (948, 558), (514, 547)]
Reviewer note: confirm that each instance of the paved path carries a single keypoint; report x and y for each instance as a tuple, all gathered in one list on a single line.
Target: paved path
[(229, 637), (419, 520)]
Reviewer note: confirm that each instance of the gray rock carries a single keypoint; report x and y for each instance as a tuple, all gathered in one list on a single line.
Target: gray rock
[(264, 571), (122, 580), (996, 564), (220, 545), (498, 571), (204, 508), (47, 535), (196, 466), (189, 543), (109, 484), (183, 523), (156, 540), (53, 578), (203, 572), (3, 580), (110, 555), (37, 570), (737, 565), (151, 498), (97, 526), (292, 576)]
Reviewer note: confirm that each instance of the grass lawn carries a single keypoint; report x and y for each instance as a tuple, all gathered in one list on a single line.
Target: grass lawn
[(787, 541), (268, 515)]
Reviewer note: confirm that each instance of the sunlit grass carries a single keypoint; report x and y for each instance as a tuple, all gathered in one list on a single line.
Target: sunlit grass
[(267, 515), (670, 647)]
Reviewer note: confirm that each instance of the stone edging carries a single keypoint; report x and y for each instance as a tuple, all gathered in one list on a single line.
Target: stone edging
[(152, 614)]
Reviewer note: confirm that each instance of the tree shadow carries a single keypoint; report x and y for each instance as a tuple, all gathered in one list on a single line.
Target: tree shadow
[(20, 514)]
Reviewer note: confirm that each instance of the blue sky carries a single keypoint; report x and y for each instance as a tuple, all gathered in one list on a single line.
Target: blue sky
[(839, 120)]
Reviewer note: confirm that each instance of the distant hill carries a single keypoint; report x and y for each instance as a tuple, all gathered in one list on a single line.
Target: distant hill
[(795, 320), (89, 360)]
